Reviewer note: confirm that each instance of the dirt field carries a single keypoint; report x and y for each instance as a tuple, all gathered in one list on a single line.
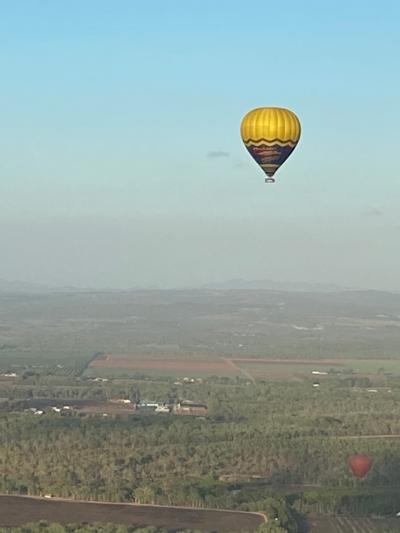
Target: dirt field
[(174, 367), (313, 362), (202, 367), (19, 510)]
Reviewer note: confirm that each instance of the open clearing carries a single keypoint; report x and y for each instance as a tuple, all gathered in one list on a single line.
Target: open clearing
[(19, 510)]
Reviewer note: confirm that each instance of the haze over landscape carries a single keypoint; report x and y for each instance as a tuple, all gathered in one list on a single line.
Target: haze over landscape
[(184, 348)]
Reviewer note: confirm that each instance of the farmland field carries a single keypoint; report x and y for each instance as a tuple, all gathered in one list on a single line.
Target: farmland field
[(252, 368), (280, 369), (286, 369), (168, 367), (348, 524), (19, 510), (67, 328)]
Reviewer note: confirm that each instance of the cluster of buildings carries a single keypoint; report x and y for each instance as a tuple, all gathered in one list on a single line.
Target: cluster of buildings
[(187, 380), (181, 407), (125, 406), (64, 410)]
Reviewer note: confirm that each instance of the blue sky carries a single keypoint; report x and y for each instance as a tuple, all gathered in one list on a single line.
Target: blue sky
[(111, 109)]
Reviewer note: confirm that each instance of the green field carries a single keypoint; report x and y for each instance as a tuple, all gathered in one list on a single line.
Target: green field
[(289, 370), (373, 366), (266, 370), (46, 360)]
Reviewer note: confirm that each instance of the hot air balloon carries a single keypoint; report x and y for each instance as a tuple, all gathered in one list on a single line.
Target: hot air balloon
[(270, 134), (360, 464)]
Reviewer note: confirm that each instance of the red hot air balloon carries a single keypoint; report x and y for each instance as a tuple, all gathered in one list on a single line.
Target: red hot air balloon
[(360, 464)]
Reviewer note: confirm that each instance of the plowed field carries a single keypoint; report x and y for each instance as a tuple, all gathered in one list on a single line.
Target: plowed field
[(19, 510), (175, 367)]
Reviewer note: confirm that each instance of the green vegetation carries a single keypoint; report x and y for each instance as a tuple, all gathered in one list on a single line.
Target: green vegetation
[(262, 444), (276, 439), (60, 332)]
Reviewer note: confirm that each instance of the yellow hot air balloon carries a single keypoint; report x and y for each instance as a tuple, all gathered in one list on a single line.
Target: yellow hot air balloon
[(270, 134)]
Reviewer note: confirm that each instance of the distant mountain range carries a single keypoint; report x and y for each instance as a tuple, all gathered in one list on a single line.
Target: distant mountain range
[(266, 284), (233, 284), (37, 288), (41, 288), (21, 286)]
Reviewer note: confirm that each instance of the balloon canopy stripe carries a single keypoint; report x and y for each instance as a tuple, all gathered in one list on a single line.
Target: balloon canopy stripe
[(258, 142)]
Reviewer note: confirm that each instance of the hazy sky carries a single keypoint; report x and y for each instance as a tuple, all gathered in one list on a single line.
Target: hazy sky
[(120, 158)]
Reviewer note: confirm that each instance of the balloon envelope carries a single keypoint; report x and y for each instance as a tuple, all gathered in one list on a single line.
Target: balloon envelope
[(360, 464), (270, 135)]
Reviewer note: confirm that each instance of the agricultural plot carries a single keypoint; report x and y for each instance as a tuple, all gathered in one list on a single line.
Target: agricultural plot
[(114, 366), (348, 524), (19, 510), (280, 369), (372, 366), (58, 333), (291, 368), (252, 368), (51, 360)]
